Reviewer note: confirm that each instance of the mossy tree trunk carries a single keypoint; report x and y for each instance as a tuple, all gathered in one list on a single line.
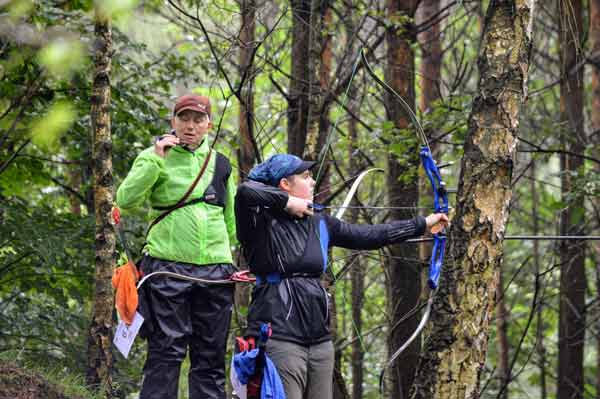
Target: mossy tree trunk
[(454, 352), (100, 333)]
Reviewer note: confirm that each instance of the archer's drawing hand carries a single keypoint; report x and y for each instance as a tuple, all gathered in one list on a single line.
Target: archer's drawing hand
[(299, 207), (162, 144), (436, 222)]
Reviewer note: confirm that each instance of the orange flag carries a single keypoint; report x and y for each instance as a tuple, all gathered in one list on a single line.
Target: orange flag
[(126, 299)]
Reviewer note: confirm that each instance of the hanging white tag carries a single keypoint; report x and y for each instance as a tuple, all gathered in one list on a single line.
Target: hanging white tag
[(125, 335)]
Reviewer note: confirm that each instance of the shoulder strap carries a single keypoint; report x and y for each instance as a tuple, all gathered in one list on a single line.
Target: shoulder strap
[(181, 202), (223, 167)]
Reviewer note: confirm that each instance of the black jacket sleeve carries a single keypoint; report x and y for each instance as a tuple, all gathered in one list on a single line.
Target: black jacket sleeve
[(373, 236), (251, 200), (252, 193)]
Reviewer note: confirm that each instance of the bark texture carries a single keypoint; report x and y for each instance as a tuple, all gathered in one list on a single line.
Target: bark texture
[(323, 52), (100, 360), (455, 350)]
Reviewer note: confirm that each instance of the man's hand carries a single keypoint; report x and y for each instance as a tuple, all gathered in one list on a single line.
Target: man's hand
[(436, 222), (299, 207), (162, 145)]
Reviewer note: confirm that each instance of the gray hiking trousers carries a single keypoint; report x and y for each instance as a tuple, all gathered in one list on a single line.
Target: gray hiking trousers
[(306, 371)]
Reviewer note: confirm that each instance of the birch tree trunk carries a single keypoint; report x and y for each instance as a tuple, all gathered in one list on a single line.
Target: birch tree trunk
[(100, 333), (404, 277), (455, 350), (571, 332)]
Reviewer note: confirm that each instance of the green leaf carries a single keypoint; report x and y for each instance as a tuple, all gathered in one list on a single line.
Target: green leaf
[(62, 57), (46, 130), (120, 10), (20, 8)]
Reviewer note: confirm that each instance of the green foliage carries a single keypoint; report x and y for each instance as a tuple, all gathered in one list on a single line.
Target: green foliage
[(47, 252), (17, 9), (119, 10), (62, 57), (46, 202), (47, 130)]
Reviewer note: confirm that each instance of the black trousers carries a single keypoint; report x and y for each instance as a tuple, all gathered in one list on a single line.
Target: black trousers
[(181, 315)]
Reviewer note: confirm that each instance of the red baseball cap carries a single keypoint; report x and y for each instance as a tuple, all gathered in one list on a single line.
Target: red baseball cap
[(194, 102)]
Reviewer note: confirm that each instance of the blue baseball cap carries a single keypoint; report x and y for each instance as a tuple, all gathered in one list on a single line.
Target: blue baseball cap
[(277, 167)]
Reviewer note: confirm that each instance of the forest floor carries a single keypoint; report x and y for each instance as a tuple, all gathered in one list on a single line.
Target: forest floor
[(19, 383)]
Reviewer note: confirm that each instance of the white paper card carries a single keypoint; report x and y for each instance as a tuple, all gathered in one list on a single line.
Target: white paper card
[(125, 335)]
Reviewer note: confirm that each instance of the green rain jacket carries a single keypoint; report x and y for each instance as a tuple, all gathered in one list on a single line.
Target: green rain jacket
[(201, 233)]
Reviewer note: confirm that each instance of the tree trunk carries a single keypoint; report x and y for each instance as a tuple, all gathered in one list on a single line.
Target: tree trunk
[(454, 352), (100, 332), (431, 62), (300, 82), (322, 53), (595, 113), (571, 332), (316, 139), (75, 183), (247, 152), (404, 277)]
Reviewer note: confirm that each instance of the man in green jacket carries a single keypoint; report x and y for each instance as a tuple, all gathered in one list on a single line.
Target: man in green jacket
[(194, 240)]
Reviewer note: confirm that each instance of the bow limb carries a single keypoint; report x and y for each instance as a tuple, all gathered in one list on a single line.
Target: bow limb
[(409, 341), (353, 190)]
